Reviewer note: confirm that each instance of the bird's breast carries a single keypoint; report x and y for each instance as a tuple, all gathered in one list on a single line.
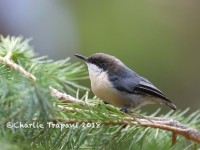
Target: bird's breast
[(103, 88), (100, 84)]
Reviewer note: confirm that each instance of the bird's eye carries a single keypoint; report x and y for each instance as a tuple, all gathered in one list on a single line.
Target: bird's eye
[(103, 64), (94, 62), (99, 63)]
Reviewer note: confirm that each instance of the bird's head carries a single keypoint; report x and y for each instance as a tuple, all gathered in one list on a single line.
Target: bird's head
[(101, 62)]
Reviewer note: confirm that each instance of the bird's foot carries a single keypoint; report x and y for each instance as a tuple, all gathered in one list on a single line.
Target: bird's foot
[(125, 110)]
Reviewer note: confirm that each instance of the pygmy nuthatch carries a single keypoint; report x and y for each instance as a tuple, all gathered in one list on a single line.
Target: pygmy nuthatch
[(118, 85)]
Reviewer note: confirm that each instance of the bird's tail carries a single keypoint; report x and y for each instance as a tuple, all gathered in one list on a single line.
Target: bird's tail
[(170, 104)]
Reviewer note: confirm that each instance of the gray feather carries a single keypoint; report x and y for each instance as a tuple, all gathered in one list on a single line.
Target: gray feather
[(131, 83)]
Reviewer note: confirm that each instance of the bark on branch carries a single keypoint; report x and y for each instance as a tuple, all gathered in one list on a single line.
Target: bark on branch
[(63, 96)]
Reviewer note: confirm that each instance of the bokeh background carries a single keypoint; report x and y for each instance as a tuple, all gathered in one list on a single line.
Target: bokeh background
[(160, 40)]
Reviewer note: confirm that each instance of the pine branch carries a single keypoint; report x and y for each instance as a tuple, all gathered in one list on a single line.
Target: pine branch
[(154, 122), (13, 65), (29, 101), (7, 59), (171, 125), (63, 96)]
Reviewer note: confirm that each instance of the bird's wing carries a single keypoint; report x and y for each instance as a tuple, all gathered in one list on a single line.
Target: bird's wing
[(126, 85), (147, 88), (137, 85)]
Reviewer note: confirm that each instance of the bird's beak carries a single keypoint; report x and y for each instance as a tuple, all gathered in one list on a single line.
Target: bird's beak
[(81, 57)]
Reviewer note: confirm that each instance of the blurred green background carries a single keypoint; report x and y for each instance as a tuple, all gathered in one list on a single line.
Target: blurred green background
[(160, 40)]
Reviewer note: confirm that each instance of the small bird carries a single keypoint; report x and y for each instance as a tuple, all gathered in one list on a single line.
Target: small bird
[(116, 84)]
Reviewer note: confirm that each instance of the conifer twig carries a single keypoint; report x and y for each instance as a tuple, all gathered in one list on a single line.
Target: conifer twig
[(64, 96), (154, 122), (175, 127), (7, 60)]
